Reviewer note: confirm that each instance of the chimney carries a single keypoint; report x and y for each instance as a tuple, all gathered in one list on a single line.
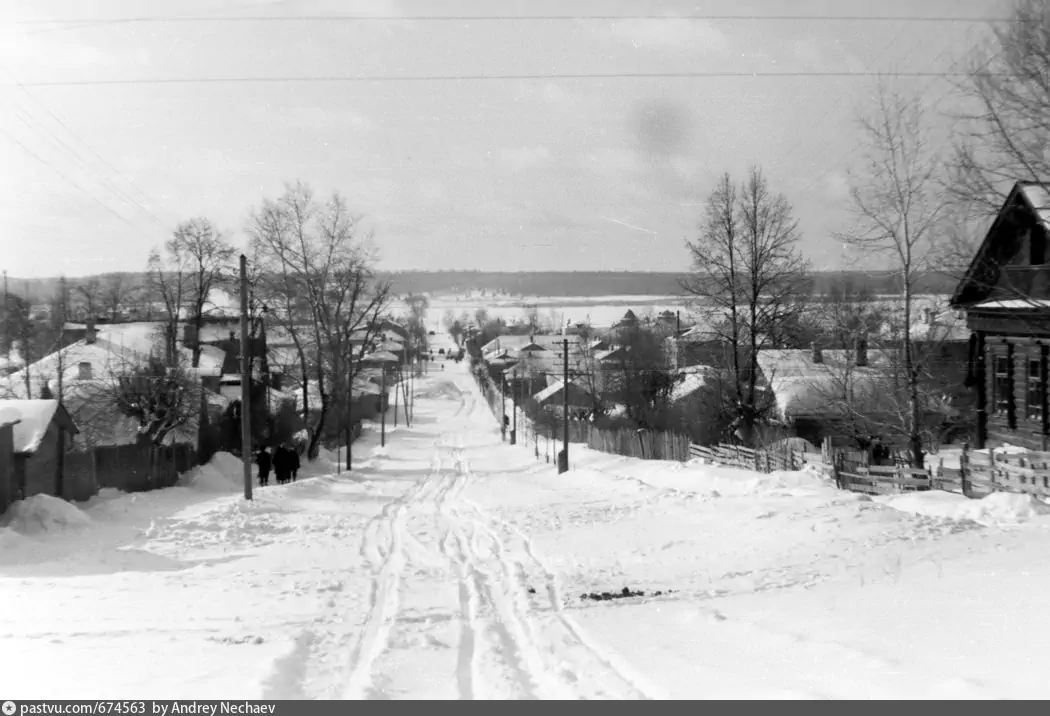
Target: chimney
[(89, 331), (818, 355), (861, 356), (189, 336)]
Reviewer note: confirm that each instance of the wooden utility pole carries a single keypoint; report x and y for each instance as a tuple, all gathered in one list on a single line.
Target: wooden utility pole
[(503, 412), (246, 388), (382, 413), (563, 459), (514, 407), (397, 389)]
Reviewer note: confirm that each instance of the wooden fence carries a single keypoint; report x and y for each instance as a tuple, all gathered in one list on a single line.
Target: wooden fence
[(643, 444), (982, 473), (133, 468), (751, 459), (884, 479)]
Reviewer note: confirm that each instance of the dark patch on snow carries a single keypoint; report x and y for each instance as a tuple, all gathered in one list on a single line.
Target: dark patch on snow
[(625, 593)]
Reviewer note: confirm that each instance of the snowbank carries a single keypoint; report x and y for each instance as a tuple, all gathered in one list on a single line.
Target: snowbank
[(997, 508), (42, 514), (445, 390), (223, 473)]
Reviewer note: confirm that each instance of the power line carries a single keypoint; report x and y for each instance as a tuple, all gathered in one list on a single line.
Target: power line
[(63, 176), (483, 78), (32, 123), (78, 138), (78, 23)]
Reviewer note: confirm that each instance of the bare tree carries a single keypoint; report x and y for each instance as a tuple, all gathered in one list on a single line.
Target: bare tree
[(169, 283), (317, 274), (116, 291), (89, 292), (749, 273), (847, 312), (898, 213), (160, 397), (1004, 137), (208, 259)]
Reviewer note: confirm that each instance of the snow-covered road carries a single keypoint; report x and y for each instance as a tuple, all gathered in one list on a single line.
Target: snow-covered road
[(450, 565), (451, 593)]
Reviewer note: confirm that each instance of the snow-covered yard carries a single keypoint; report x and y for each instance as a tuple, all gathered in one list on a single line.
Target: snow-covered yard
[(451, 565)]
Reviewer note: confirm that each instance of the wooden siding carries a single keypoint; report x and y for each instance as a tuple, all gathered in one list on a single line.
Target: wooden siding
[(1015, 427)]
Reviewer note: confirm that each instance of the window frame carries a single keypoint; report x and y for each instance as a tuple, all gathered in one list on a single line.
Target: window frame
[(1035, 382), (1001, 403)]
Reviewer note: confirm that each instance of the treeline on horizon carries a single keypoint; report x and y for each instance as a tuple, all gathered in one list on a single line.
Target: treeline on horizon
[(560, 283)]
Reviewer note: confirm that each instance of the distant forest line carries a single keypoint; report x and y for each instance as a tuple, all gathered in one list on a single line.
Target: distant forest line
[(558, 283)]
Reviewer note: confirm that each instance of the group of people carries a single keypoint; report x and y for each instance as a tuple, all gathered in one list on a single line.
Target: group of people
[(284, 462)]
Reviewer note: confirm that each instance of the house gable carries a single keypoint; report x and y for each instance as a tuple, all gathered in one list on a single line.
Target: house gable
[(1012, 261)]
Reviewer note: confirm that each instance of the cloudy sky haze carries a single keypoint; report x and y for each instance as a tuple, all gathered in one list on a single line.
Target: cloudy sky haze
[(536, 174)]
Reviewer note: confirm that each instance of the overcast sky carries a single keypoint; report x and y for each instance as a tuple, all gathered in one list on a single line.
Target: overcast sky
[(533, 174)]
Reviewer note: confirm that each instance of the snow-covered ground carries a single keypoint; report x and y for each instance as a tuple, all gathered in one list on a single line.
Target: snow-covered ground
[(595, 310), (451, 565)]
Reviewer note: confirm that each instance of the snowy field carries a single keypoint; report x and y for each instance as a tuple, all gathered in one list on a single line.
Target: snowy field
[(451, 565), (598, 311), (595, 310)]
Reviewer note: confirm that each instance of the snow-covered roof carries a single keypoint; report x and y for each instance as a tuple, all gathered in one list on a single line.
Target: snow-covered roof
[(33, 416), (515, 343), (803, 387), (102, 359), (382, 356), (614, 352), (1039, 197), (693, 379), (1015, 303), (575, 391)]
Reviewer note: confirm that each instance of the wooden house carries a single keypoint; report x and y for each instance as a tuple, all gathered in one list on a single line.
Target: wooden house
[(1006, 296), (41, 433)]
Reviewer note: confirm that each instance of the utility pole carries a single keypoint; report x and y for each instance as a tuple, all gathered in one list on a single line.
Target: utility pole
[(7, 321), (503, 412), (246, 388), (514, 407), (397, 387), (563, 459), (382, 413)]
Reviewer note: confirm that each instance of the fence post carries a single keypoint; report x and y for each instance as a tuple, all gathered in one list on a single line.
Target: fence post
[(964, 471)]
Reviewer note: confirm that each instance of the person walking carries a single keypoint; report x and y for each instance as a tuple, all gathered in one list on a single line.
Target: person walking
[(264, 463), (281, 465), (293, 458)]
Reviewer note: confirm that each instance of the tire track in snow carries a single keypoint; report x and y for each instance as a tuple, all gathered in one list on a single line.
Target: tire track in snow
[(607, 661), (383, 545), (499, 656)]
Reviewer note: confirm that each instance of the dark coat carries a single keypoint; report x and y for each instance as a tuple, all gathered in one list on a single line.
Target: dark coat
[(264, 462), (282, 461)]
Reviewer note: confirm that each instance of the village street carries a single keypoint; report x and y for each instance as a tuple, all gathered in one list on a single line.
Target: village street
[(450, 565)]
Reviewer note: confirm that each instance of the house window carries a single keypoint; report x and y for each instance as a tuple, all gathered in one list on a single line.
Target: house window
[(1037, 246), (84, 370), (1002, 385), (1035, 389)]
